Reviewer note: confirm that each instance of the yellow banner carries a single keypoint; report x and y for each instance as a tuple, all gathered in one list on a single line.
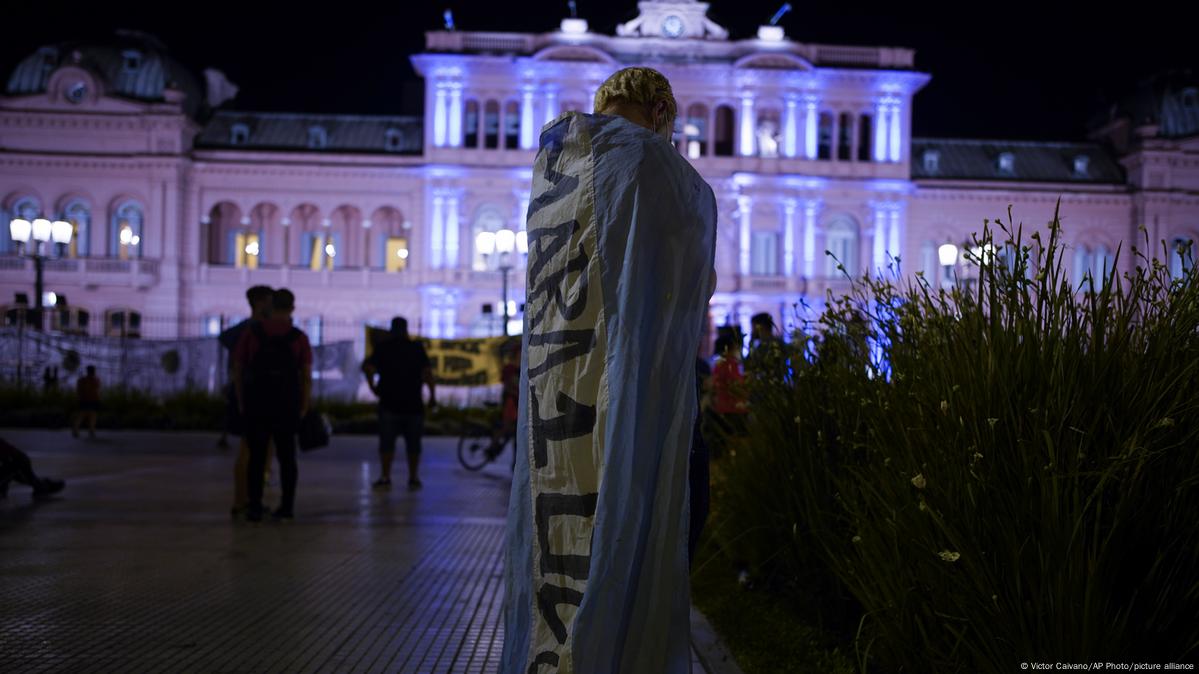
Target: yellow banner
[(456, 362)]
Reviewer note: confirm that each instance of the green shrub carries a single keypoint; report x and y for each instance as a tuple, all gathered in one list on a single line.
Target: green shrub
[(997, 473)]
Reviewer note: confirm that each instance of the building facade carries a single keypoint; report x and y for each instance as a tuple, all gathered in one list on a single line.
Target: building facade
[(178, 204)]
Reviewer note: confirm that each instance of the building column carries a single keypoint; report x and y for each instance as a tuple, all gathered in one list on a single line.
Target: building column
[(451, 231), (811, 119), (747, 126), (526, 119), (436, 234), (879, 239), (790, 128), (895, 236), (894, 136), (744, 207), (439, 117), (809, 238), (789, 237), (551, 105), (455, 131), (880, 132)]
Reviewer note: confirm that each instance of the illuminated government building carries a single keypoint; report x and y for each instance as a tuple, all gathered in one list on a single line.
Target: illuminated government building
[(177, 203)]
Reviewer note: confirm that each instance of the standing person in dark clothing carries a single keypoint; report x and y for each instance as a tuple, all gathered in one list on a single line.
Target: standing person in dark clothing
[(401, 366), (87, 390), (259, 298), (273, 377)]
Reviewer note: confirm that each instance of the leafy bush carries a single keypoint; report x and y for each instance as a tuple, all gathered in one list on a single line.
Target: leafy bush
[(1000, 472)]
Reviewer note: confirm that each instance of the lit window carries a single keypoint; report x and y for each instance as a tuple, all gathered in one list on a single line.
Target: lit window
[(127, 225), (239, 134), (1101, 264), (80, 216), (1007, 163), (322, 251), (397, 254), (318, 138), (932, 162), (247, 250)]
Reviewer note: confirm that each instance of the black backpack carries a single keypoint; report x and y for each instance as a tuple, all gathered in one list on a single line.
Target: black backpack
[(274, 372)]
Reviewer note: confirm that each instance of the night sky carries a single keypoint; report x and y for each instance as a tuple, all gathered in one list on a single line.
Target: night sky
[(1024, 70)]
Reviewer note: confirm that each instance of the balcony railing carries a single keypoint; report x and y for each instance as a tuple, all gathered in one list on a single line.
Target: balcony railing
[(84, 271)]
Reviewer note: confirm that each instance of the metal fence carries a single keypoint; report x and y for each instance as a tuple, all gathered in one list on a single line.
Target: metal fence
[(161, 355)]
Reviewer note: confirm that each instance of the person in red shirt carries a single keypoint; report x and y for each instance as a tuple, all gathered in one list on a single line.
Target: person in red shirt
[(88, 392), (729, 401), (272, 374)]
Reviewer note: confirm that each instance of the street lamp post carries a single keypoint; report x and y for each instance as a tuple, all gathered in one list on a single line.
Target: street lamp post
[(41, 232), (503, 242)]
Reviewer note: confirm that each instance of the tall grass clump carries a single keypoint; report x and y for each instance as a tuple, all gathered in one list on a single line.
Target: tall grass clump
[(999, 472)]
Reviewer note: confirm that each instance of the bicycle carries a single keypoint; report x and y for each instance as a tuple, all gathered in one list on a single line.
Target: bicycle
[(478, 446)]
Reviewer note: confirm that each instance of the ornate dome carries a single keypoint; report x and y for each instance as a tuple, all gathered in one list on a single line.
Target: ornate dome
[(131, 64)]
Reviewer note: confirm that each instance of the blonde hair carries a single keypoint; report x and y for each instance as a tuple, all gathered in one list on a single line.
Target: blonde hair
[(643, 87)]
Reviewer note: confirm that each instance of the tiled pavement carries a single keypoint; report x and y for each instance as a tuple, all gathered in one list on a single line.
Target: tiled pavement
[(138, 566)]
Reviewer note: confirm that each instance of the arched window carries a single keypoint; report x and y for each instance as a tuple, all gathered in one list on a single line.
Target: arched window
[(321, 249), (79, 214), (239, 134), (768, 132), (245, 248), (845, 137), (470, 125), (695, 131), (1101, 264), (25, 208), (491, 125), (318, 138), (132, 60), (824, 136), (488, 219), (511, 125), (842, 237), (126, 231), (1082, 265), (865, 137), (724, 131), (930, 263), (1182, 257)]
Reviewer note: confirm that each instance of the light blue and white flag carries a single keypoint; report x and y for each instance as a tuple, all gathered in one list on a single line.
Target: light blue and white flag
[(621, 233)]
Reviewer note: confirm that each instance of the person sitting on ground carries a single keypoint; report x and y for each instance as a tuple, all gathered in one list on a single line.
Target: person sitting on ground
[(15, 466), (88, 392), (401, 366)]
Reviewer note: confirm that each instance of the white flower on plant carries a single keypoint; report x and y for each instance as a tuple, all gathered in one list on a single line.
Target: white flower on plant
[(857, 539), (948, 556), (944, 407), (977, 456), (992, 421), (919, 482)]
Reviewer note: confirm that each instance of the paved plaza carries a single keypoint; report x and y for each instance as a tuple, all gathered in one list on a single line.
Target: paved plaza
[(137, 565)]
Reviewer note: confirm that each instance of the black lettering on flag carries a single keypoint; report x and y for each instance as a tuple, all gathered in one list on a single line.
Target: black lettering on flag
[(555, 284), (545, 243), (575, 344), (577, 420), (562, 505), (549, 598), (543, 658)]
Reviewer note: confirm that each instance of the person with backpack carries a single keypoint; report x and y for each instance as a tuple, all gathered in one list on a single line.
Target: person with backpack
[(273, 379)]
